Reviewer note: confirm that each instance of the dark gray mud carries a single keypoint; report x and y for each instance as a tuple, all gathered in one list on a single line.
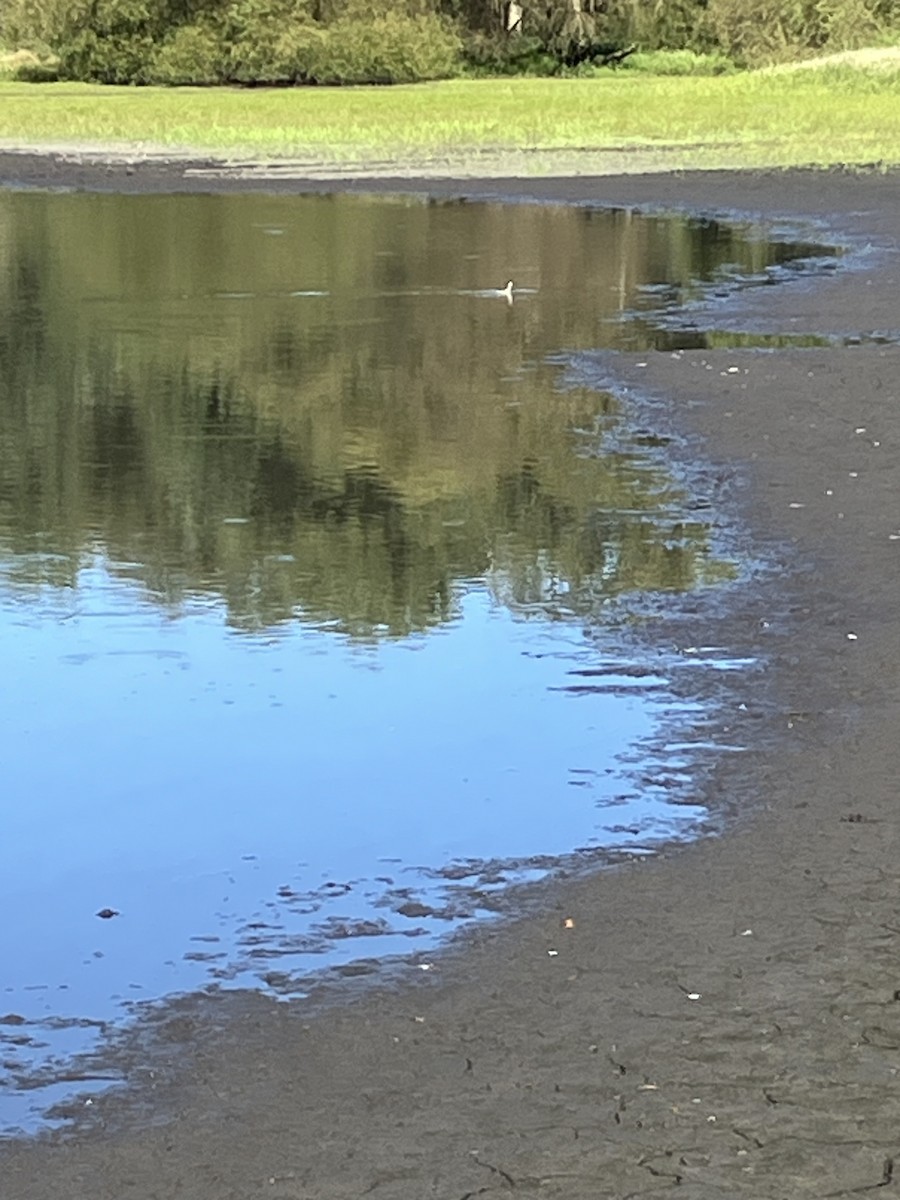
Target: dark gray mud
[(722, 1019)]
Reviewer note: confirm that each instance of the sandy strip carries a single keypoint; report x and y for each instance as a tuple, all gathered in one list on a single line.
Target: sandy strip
[(724, 1020), (150, 167)]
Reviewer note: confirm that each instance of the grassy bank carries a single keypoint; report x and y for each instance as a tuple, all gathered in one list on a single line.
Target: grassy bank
[(838, 115)]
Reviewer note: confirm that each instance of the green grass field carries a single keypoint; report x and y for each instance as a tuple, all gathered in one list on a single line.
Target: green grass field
[(765, 118)]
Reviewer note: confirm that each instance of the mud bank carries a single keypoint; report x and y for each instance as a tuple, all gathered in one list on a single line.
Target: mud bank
[(724, 1019)]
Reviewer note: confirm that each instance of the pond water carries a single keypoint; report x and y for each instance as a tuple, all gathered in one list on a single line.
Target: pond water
[(313, 549)]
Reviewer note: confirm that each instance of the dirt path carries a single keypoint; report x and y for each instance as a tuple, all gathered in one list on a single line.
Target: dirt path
[(724, 1021)]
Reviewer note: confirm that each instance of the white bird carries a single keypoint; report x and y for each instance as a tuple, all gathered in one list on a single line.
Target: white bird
[(507, 292)]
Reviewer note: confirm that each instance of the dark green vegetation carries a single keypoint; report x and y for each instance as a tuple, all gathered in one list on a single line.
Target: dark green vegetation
[(394, 41)]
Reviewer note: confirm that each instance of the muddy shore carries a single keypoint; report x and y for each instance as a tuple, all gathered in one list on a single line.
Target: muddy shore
[(724, 1019)]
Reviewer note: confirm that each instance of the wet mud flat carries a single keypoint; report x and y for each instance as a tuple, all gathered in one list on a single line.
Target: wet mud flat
[(723, 1019)]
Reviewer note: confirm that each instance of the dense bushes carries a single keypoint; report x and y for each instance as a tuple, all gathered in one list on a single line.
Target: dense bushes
[(765, 31), (242, 42), (397, 41), (388, 49), (749, 32), (192, 55), (746, 32), (32, 24)]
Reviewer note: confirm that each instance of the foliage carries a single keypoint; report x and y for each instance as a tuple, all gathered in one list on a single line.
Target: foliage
[(110, 41), (268, 41), (756, 32), (19, 64), (337, 41), (491, 54), (32, 24), (570, 32), (193, 55), (37, 72), (657, 24), (388, 49), (250, 42), (678, 62)]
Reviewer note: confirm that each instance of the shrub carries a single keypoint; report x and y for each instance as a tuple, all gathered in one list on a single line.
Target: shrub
[(497, 54), (677, 62), (768, 31), (250, 41), (849, 24), (288, 56), (33, 24), (567, 34), (109, 41), (656, 24), (37, 72), (194, 54), (388, 49), (106, 58), (118, 41), (269, 41)]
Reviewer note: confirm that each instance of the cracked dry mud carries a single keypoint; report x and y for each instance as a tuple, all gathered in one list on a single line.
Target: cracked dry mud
[(592, 1072)]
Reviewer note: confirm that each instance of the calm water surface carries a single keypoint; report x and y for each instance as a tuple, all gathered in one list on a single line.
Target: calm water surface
[(312, 551)]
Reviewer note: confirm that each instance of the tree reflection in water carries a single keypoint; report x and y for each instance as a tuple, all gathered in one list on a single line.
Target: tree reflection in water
[(347, 452)]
